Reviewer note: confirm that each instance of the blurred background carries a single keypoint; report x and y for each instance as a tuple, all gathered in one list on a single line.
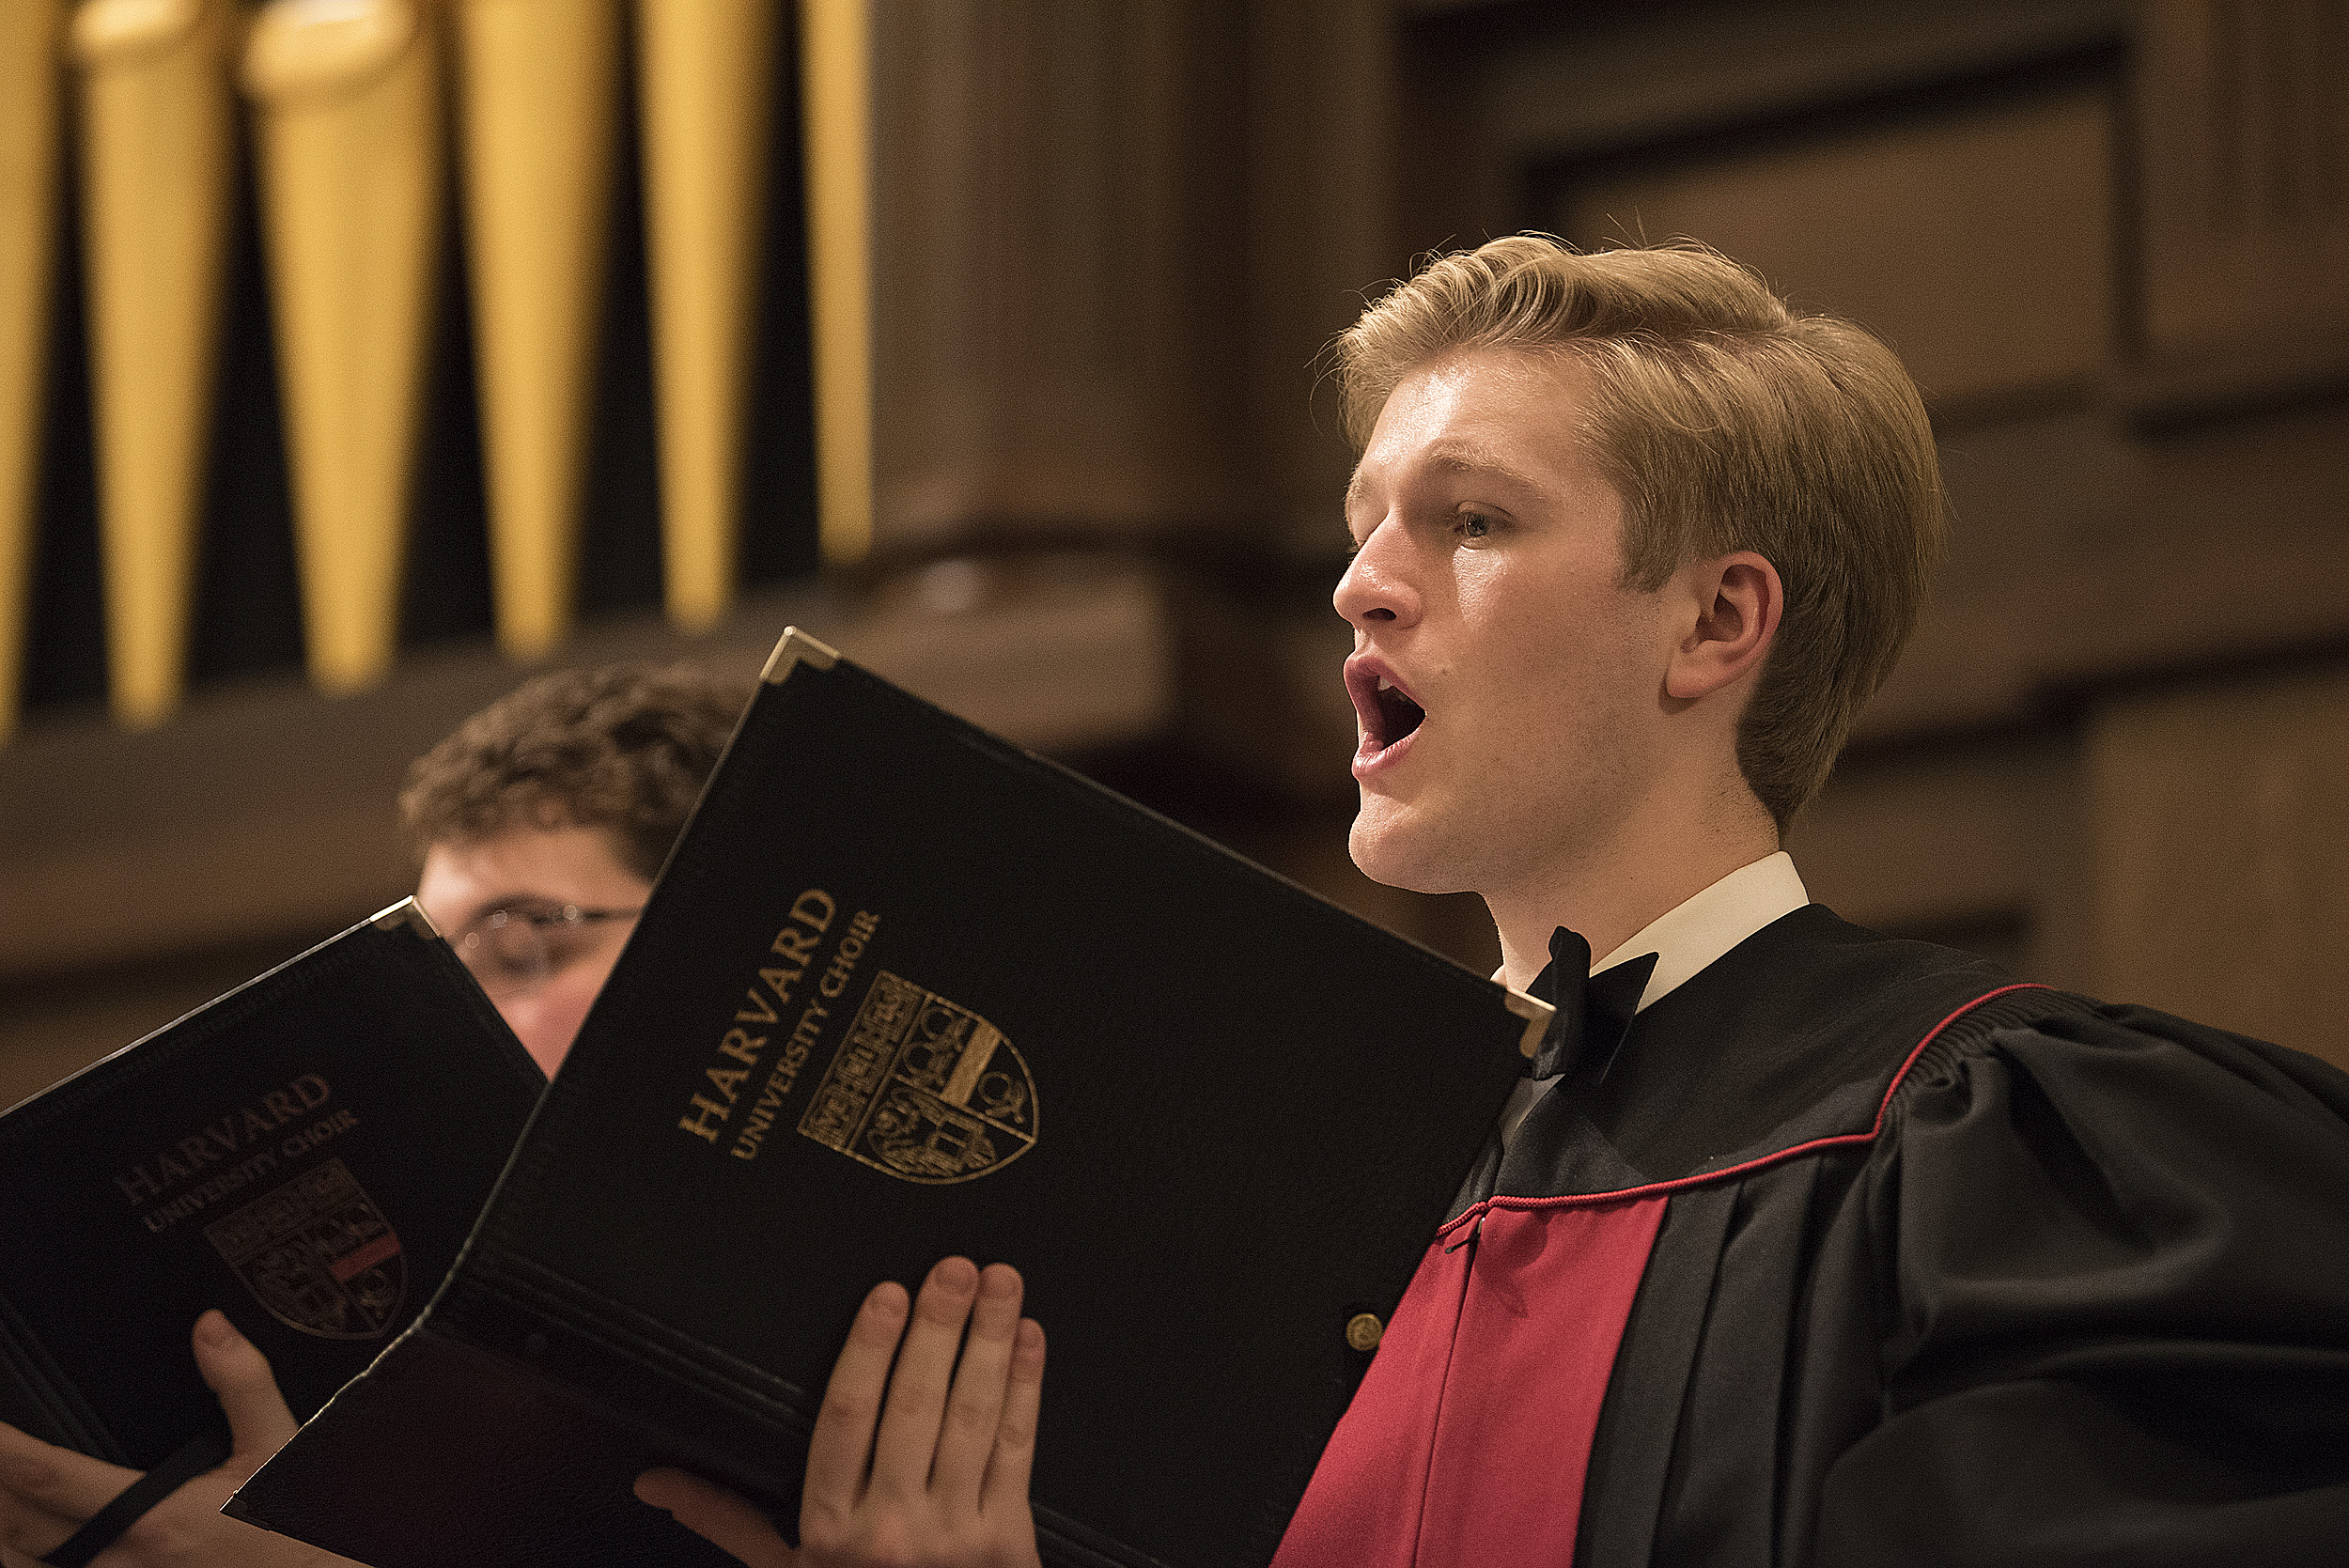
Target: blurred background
[(357, 356)]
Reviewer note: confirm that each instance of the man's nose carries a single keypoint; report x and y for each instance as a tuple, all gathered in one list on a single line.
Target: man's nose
[(1376, 588)]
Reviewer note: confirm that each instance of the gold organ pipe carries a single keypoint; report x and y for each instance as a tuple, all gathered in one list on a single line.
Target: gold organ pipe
[(156, 147), (31, 33), (537, 80), (348, 109), (834, 54), (706, 72)]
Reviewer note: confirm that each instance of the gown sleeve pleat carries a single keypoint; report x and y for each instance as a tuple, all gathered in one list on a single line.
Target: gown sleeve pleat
[(2118, 1250)]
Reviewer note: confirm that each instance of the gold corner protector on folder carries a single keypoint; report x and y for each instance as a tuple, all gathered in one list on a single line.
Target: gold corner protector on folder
[(797, 647), (1535, 1012), (406, 912)]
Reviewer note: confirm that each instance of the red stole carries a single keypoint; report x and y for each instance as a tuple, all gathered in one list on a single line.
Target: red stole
[(1469, 1439)]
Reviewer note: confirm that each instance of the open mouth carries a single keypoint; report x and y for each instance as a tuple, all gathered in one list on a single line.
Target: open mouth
[(1388, 713)]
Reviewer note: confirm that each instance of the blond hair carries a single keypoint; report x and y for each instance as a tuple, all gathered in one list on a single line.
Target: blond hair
[(1726, 422)]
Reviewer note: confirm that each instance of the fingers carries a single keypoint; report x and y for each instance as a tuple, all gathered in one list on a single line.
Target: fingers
[(43, 1485), (975, 1406), (29, 1531), (716, 1515), (46, 1493), (908, 1442), (843, 1440), (258, 1422), (1005, 1489), (949, 1446)]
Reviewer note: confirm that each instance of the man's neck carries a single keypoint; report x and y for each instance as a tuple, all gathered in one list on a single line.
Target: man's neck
[(1608, 898)]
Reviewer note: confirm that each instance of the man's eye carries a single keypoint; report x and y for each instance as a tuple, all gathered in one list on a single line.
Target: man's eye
[(1474, 527), (511, 964), (565, 944)]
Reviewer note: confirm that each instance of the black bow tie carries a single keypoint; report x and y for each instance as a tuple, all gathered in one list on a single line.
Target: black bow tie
[(1594, 1010)]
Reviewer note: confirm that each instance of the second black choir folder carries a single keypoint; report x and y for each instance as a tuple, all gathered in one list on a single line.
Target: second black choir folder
[(903, 990), (306, 1152)]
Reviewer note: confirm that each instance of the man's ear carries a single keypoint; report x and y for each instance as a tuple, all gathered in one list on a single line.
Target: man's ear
[(1735, 603)]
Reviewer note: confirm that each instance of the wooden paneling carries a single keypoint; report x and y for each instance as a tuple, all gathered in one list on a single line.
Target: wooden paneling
[(2243, 121), (2221, 870), (1319, 236), (1978, 243), (2082, 556), (1054, 351), (1608, 76), (1112, 243), (1979, 833)]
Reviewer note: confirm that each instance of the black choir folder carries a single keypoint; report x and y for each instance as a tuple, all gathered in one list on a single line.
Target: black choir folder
[(903, 990), (306, 1152)]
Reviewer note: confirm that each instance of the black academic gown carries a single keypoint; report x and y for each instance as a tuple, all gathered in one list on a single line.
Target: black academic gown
[(1854, 1253)]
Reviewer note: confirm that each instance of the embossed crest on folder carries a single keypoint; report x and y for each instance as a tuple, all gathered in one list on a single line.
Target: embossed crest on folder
[(319, 1254), (923, 1089)]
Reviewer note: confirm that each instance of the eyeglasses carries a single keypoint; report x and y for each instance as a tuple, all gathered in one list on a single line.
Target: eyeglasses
[(515, 950)]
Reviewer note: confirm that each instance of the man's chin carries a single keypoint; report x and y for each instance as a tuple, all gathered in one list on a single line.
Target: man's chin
[(1387, 847)]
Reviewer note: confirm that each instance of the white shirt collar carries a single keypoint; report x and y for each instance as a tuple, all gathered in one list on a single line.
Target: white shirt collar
[(1690, 936), (1684, 940)]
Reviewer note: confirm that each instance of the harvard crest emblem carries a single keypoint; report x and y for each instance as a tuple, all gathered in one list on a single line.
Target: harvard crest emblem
[(923, 1089), (319, 1254)]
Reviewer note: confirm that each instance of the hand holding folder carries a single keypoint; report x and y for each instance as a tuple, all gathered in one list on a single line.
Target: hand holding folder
[(49, 1495), (949, 1443), (290, 1169)]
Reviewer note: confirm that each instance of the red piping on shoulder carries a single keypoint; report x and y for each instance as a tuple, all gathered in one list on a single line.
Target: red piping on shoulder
[(1775, 1157)]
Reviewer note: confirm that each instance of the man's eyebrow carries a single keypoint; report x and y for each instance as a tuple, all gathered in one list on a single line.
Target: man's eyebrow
[(1461, 458), (1465, 458), (482, 908)]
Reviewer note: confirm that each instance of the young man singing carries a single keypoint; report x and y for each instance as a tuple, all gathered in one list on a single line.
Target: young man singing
[(1801, 1246), (1840, 1249)]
